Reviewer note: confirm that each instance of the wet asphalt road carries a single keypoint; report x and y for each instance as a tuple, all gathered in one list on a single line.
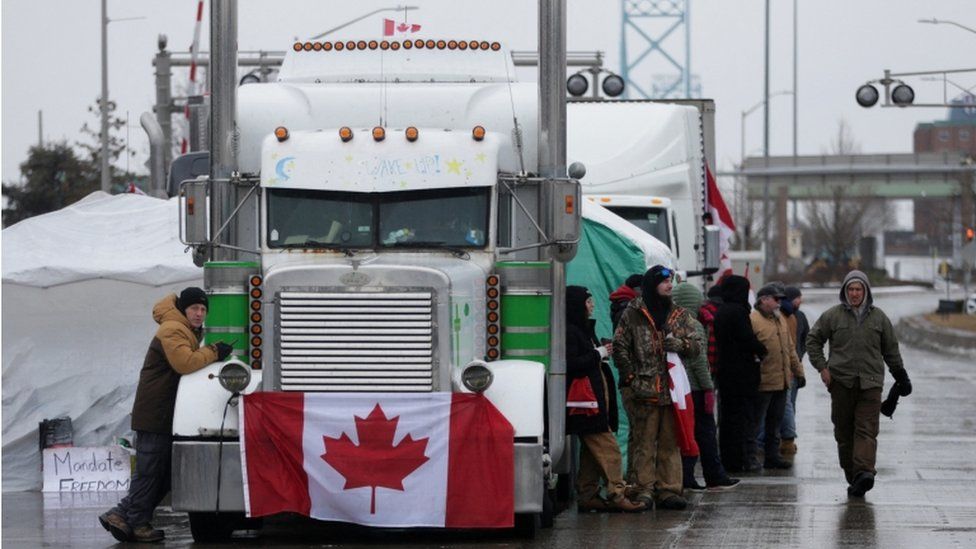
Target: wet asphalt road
[(925, 495)]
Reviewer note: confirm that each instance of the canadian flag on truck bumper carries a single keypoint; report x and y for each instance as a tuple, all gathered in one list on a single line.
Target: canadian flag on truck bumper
[(379, 459)]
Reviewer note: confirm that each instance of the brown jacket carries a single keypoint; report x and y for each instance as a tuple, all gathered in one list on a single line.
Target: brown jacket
[(174, 351), (781, 363)]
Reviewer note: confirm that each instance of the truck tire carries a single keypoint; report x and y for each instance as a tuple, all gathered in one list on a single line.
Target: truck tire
[(526, 525), (209, 527)]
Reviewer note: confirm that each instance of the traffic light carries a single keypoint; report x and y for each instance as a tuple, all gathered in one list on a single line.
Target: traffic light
[(969, 233)]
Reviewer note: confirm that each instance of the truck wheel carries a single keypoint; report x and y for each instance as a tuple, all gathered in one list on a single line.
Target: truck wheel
[(214, 527), (526, 525)]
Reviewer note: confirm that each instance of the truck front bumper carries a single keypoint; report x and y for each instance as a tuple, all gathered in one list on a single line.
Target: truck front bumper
[(194, 481)]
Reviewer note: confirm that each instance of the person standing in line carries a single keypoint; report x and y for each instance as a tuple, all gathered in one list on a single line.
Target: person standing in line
[(599, 453), (174, 352), (862, 341), (739, 354), (800, 327), (650, 327), (777, 370), (689, 297), (623, 295), (706, 315)]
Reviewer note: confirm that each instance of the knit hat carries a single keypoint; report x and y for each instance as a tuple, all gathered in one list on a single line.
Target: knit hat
[(576, 297), (191, 296), (688, 296), (774, 289), (634, 281), (792, 292), (654, 276)]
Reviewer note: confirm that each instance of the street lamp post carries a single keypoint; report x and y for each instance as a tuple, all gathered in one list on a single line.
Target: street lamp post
[(935, 21), (742, 157), (103, 102)]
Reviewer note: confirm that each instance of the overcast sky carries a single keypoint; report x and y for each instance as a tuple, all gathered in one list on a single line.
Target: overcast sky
[(51, 60)]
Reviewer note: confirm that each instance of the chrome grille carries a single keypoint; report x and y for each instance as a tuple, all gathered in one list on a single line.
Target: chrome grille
[(356, 342)]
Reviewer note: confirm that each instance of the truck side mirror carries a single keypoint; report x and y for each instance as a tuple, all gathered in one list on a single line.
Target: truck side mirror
[(565, 211), (713, 253), (194, 222)]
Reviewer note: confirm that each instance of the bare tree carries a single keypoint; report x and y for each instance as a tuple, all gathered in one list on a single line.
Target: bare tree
[(747, 214), (836, 224)]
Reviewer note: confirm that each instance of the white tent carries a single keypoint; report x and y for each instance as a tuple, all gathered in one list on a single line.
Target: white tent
[(78, 288)]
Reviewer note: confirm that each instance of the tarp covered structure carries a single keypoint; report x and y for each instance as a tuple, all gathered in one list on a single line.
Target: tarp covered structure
[(78, 289)]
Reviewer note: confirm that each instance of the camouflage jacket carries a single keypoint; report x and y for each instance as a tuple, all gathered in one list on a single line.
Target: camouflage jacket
[(638, 348)]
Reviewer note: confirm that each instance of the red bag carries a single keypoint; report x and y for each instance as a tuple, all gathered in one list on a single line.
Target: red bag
[(581, 399)]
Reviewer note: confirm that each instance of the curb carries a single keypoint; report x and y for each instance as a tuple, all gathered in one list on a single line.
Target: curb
[(919, 332)]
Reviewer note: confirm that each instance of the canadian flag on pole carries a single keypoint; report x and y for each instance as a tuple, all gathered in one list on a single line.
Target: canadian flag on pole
[(684, 406), (391, 27), (378, 459), (722, 217)]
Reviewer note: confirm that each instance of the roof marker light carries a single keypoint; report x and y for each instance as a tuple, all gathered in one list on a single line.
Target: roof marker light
[(495, 46), (281, 133), (345, 133), (385, 45), (394, 46), (373, 44), (326, 46), (317, 46), (379, 134), (412, 134), (452, 45), (307, 46), (478, 133), (441, 44), (419, 44), (350, 45), (431, 44), (361, 45), (485, 45), (339, 46), (462, 45), (297, 46)]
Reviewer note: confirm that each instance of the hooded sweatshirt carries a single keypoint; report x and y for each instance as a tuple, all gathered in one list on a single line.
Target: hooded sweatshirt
[(862, 340), (618, 302)]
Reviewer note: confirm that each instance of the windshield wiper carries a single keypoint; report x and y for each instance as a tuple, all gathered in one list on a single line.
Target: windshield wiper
[(320, 245), (459, 253)]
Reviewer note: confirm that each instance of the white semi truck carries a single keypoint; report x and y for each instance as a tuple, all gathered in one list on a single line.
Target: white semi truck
[(385, 222), (646, 162)]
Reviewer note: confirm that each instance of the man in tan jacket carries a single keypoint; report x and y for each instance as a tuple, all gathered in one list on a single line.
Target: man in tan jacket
[(776, 371), (174, 351)]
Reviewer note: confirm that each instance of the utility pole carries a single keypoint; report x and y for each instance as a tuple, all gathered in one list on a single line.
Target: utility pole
[(103, 102), (40, 128), (769, 256)]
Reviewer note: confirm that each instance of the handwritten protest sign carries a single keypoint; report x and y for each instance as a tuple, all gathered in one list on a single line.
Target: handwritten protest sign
[(86, 469)]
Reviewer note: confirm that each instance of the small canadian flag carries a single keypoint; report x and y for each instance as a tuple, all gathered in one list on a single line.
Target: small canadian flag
[(379, 459), (391, 27)]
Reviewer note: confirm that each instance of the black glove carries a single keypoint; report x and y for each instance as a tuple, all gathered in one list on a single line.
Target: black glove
[(904, 387), (223, 350), (801, 382), (904, 384)]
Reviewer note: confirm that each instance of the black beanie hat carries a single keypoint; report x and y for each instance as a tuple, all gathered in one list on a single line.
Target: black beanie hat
[(634, 281), (654, 276), (191, 296)]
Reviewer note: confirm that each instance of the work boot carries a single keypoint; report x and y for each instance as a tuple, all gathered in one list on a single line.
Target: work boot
[(787, 447), (673, 503), (624, 505), (595, 504), (147, 534), (863, 482), (116, 525), (777, 463)]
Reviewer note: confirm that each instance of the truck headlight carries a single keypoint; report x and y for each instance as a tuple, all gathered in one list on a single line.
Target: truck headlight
[(234, 377), (477, 377)]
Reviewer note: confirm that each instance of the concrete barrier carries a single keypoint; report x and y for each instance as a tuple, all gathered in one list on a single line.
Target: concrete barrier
[(919, 332)]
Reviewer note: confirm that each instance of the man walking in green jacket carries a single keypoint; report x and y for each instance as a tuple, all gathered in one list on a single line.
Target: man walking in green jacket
[(862, 340)]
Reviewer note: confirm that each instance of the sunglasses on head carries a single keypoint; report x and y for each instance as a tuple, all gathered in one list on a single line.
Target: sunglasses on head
[(666, 273)]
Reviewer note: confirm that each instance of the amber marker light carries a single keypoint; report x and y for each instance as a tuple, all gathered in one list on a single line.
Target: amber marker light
[(384, 45), (478, 133), (255, 353), (256, 293), (419, 44), (492, 329), (379, 134), (492, 305), (255, 280), (394, 46), (281, 133), (431, 44), (452, 45), (256, 364), (345, 134), (317, 46), (350, 45), (297, 46), (441, 44), (255, 329), (462, 45), (307, 46), (256, 305), (495, 46), (256, 341), (361, 45), (493, 280), (373, 44), (412, 134), (327, 46), (339, 46), (493, 292), (570, 204), (255, 317), (473, 44), (493, 317), (493, 353), (485, 46), (407, 44)]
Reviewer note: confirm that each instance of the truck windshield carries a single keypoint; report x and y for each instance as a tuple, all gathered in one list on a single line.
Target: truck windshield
[(447, 218), (653, 221)]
